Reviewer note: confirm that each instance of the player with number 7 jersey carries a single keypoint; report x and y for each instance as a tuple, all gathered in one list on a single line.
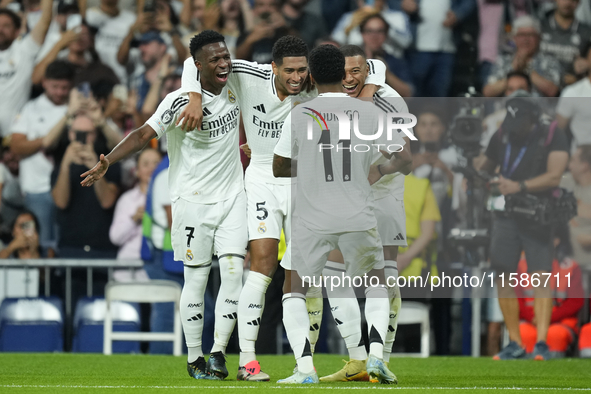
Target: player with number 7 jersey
[(266, 94)]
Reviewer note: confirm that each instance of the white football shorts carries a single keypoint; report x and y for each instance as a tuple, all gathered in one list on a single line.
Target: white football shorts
[(202, 230), (268, 210), (391, 219), (362, 251)]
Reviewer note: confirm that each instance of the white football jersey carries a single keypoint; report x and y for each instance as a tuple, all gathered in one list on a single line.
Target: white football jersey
[(333, 194), (204, 164), (389, 101), (263, 113)]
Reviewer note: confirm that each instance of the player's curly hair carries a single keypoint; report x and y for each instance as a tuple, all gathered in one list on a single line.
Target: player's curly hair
[(289, 46), (327, 64), (352, 51), (206, 37)]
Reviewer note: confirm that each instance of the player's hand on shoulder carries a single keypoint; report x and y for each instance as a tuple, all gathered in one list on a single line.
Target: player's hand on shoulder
[(95, 173), (192, 115)]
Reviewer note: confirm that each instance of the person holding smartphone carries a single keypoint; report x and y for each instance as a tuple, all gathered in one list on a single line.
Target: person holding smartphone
[(25, 238)]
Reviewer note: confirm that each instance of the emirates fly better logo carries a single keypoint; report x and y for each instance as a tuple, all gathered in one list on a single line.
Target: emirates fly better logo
[(394, 122)]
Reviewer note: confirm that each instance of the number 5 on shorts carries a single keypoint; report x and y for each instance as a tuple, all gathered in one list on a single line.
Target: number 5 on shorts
[(261, 208), (190, 235)]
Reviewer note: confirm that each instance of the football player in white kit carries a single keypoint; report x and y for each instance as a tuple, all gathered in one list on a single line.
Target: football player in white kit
[(208, 198), (389, 209), (266, 95), (334, 204)]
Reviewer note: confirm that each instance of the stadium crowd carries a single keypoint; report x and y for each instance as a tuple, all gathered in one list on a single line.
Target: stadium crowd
[(77, 76)]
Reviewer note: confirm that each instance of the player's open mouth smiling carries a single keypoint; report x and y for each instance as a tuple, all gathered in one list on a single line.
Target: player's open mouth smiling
[(350, 88), (223, 76)]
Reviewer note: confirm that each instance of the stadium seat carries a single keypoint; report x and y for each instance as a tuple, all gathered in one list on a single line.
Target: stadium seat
[(89, 320), (31, 325), (417, 313), (150, 291)]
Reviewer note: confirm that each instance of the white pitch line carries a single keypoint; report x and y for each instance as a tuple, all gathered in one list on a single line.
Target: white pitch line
[(305, 387)]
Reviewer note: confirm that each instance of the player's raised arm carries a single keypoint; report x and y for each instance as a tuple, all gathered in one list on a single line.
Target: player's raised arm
[(134, 142), (192, 114), (376, 77)]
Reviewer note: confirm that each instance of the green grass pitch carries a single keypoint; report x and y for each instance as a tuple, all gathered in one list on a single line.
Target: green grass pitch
[(94, 373)]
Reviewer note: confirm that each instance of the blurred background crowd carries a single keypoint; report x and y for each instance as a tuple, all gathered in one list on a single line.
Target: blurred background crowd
[(77, 75)]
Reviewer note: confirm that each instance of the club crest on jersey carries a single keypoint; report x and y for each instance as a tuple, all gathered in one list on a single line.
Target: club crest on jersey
[(189, 255), (167, 116), (262, 228), (231, 96)]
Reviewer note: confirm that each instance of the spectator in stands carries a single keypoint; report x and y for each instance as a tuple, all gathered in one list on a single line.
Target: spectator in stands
[(84, 214), (564, 37), (579, 181), (234, 18), (432, 56), (573, 107), (77, 47), (193, 16), (374, 31), (12, 201), (398, 35), (17, 60), (269, 25), (57, 28), (543, 70), (25, 238), (490, 17), (153, 50), (166, 82), (567, 290), (36, 130), (112, 25), (126, 229), (310, 27)]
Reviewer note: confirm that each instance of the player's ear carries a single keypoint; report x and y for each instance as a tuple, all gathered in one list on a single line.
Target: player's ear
[(198, 65), (275, 68)]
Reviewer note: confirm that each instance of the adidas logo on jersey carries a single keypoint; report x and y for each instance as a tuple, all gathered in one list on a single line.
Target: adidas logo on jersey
[(338, 322), (232, 316), (260, 108), (206, 111), (196, 317), (315, 327), (255, 322), (399, 237), (391, 329)]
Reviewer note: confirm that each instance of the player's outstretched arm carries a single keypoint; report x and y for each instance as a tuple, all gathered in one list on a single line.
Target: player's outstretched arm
[(134, 142)]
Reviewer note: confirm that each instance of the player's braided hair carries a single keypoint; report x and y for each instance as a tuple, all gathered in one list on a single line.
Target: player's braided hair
[(206, 37), (327, 64), (289, 46), (352, 51)]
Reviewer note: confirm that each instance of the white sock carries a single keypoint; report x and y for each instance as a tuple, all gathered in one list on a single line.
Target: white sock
[(192, 307), (297, 327), (391, 270), (345, 311), (250, 311), (226, 305), (377, 309), (314, 305)]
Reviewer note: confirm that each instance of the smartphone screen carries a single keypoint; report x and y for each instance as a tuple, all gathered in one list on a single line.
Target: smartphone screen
[(84, 88), (81, 137)]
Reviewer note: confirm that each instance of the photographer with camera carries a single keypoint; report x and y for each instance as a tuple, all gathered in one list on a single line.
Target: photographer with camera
[(532, 155)]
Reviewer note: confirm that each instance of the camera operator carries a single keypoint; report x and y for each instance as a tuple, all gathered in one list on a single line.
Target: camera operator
[(532, 155)]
